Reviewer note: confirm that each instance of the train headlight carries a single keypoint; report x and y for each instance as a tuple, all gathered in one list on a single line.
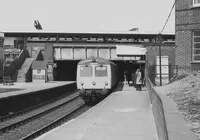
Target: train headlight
[(81, 83), (106, 83), (94, 83)]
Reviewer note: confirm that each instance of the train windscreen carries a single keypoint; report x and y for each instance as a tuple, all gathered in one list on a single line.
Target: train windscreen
[(101, 71), (86, 71)]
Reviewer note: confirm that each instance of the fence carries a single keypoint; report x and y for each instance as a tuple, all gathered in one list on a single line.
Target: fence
[(168, 74)]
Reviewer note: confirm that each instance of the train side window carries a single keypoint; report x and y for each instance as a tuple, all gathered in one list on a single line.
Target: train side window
[(86, 71), (101, 71)]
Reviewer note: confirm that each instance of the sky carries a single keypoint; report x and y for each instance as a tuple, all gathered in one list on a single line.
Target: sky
[(87, 15)]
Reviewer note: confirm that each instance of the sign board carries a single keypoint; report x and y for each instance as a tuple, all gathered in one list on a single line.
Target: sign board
[(130, 50), (164, 66), (39, 75), (132, 58)]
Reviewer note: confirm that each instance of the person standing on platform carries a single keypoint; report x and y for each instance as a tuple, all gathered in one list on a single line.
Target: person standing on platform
[(126, 75), (138, 80)]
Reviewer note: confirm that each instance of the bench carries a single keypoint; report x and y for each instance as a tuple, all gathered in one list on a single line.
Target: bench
[(7, 80)]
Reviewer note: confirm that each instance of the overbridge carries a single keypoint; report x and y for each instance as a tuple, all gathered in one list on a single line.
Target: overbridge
[(126, 49)]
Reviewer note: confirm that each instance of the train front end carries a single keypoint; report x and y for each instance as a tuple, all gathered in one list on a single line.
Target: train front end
[(93, 80)]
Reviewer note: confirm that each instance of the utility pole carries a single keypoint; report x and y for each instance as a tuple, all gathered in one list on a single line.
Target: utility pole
[(160, 45)]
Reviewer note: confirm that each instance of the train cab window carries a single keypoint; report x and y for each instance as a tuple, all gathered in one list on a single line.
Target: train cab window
[(86, 71), (100, 71)]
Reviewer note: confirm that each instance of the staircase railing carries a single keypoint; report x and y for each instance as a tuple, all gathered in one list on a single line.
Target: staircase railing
[(26, 71), (39, 55)]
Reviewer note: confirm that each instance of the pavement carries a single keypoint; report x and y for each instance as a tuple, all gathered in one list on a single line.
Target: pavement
[(23, 88), (123, 115)]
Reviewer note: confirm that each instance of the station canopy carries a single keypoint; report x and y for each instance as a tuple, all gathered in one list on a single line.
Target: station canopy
[(130, 50)]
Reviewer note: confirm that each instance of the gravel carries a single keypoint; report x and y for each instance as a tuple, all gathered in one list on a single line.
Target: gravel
[(186, 93)]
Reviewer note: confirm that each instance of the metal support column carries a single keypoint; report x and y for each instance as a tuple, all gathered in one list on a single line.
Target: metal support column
[(160, 45)]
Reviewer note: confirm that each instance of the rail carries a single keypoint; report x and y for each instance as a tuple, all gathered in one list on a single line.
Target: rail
[(28, 123)]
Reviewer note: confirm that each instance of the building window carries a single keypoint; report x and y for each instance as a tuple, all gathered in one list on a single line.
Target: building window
[(196, 46), (196, 2)]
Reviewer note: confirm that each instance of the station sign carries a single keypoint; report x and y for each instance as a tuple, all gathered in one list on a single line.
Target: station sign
[(130, 50)]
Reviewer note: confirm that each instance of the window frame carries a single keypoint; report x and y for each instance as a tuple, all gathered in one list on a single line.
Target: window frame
[(197, 4), (103, 75), (193, 44), (86, 67)]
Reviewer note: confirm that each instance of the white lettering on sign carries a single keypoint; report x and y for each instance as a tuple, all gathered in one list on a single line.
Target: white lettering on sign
[(132, 58)]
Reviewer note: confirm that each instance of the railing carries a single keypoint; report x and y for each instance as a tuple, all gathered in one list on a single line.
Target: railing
[(158, 112), (153, 74), (39, 55)]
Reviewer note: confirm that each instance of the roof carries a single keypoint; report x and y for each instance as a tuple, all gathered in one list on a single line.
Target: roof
[(43, 33), (98, 60), (75, 32), (39, 64)]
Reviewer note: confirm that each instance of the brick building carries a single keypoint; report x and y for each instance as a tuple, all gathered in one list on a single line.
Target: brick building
[(187, 26)]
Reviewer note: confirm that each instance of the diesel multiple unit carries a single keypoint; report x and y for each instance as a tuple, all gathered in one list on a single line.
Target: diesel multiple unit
[(95, 78)]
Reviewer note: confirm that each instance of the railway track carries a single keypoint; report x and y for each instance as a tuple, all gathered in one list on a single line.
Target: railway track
[(32, 122)]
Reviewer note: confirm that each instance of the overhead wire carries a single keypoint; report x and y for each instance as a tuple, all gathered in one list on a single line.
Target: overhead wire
[(168, 17), (165, 22)]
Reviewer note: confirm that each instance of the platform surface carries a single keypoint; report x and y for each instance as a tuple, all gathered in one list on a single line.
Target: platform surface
[(23, 88), (123, 115)]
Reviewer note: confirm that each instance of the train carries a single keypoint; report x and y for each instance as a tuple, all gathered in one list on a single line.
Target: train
[(96, 77)]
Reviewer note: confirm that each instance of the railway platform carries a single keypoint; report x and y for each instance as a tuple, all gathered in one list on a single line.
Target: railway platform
[(19, 88), (124, 114)]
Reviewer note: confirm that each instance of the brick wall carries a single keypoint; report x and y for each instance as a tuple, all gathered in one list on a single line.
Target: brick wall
[(183, 4), (167, 50), (187, 20), (48, 52), (183, 50)]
